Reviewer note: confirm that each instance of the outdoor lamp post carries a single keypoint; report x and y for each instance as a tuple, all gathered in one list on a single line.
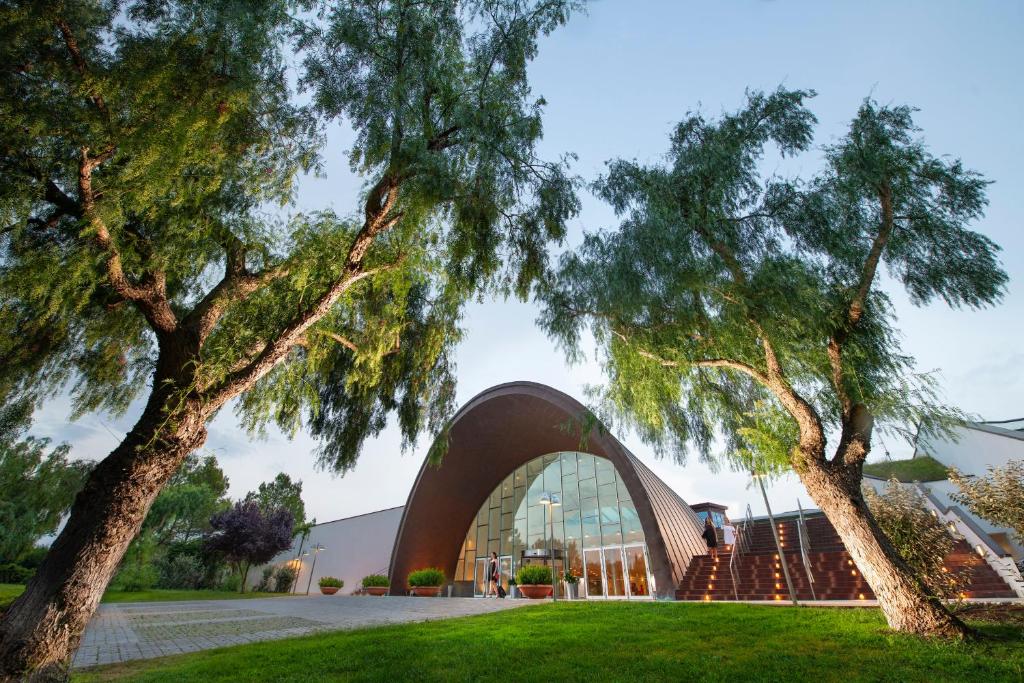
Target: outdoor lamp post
[(551, 500), (316, 551)]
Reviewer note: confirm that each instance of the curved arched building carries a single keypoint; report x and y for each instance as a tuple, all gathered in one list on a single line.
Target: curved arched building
[(510, 448)]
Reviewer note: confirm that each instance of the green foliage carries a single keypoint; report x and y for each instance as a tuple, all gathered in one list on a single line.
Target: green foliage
[(330, 582), (570, 578), (533, 574), (715, 300), (14, 573), (181, 571), (918, 537), (284, 578), (997, 497), (376, 581), (182, 511), (431, 576), (36, 487), (282, 492), (920, 468), (171, 237)]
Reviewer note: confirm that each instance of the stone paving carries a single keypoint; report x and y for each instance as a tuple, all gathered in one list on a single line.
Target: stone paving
[(120, 632)]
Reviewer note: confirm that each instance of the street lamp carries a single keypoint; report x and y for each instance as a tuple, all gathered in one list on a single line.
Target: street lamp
[(551, 500), (316, 551)]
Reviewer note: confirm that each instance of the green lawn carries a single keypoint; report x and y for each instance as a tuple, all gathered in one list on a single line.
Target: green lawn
[(613, 641), (923, 468), (9, 591)]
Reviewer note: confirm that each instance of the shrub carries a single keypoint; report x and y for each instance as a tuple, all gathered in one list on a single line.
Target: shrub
[(376, 581), (283, 579), (997, 497), (264, 585), (230, 582), (918, 537), (533, 575), (571, 578), (14, 573), (181, 571), (431, 576), (330, 582)]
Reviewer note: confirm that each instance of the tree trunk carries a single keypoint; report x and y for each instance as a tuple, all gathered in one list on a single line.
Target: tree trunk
[(901, 594), (42, 628)]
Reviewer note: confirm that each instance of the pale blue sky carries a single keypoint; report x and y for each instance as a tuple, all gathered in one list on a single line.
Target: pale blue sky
[(616, 80)]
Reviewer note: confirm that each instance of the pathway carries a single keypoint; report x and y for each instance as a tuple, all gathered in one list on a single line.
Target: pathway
[(120, 632)]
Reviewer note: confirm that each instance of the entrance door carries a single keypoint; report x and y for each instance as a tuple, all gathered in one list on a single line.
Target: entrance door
[(593, 573), (614, 579), (636, 572), (505, 570), (480, 577)]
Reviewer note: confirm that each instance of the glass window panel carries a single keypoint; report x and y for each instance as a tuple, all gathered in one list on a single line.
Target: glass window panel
[(496, 498), (481, 517), (519, 478), (570, 494), (493, 547), (494, 523), (605, 471), (550, 458), (568, 463), (588, 488), (611, 534), (508, 505), (588, 508), (592, 567), (534, 491), (610, 514), (621, 488), (506, 543), (607, 494), (534, 467), (591, 532), (535, 516), (573, 526), (537, 541), (506, 487), (553, 478), (631, 527), (481, 539), (585, 466), (506, 523), (460, 570)]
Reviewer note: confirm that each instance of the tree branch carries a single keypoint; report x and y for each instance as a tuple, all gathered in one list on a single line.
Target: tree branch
[(82, 67)]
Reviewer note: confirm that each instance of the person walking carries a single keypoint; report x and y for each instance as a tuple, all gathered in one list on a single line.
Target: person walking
[(729, 533), (492, 575), (710, 537)]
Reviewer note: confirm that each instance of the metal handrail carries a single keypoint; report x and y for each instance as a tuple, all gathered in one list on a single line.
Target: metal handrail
[(805, 545), (739, 547)]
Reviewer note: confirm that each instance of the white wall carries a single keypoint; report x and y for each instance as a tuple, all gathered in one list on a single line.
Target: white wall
[(353, 548), (975, 449)]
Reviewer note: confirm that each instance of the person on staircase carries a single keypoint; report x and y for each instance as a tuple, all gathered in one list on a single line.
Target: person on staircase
[(710, 537), (729, 535)]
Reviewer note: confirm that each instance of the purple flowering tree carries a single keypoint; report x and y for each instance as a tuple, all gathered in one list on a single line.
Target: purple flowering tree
[(244, 535)]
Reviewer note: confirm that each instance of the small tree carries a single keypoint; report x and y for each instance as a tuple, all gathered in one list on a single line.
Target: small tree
[(282, 492), (245, 536), (918, 537), (997, 497), (722, 289)]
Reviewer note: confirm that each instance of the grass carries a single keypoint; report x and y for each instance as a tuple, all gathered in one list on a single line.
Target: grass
[(9, 591), (610, 641), (923, 468)]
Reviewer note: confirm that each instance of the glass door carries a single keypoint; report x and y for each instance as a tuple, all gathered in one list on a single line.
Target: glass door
[(614, 580), (593, 573), (480, 577), (505, 570), (637, 577)]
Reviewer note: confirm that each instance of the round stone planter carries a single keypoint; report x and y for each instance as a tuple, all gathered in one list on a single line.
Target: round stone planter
[(376, 590), (426, 591), (329, 590), (535, 592)]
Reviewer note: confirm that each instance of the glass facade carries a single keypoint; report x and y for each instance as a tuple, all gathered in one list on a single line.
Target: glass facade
[(595, 532)]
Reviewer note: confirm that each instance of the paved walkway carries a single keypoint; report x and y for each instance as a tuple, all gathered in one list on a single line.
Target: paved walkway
[(120, 632)]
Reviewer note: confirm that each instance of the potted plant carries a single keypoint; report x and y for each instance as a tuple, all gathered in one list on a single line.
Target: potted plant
[(513, 589), (572, 585), (534, 581), (329, 585), (376, 584), (426, 583)]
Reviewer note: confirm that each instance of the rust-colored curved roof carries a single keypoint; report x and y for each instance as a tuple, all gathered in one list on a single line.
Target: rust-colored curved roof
[(496, 432)]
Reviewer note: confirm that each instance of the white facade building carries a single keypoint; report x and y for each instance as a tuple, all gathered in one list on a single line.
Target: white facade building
[(352, 548)]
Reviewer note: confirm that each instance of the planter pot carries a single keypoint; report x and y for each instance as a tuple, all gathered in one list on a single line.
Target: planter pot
[(376, 590), (535, 592), (513, 592), (329, 590), (572, 590), (426, 591)]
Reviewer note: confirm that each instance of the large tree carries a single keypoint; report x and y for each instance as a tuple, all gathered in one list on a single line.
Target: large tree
[(246, 535), (730, 303), (147, 150)]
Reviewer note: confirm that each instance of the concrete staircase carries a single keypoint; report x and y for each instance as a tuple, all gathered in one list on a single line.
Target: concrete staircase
[(836, 577)]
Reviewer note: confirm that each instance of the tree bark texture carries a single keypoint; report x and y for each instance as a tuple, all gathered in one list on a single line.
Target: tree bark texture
[(42, 628), (901, 595)]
